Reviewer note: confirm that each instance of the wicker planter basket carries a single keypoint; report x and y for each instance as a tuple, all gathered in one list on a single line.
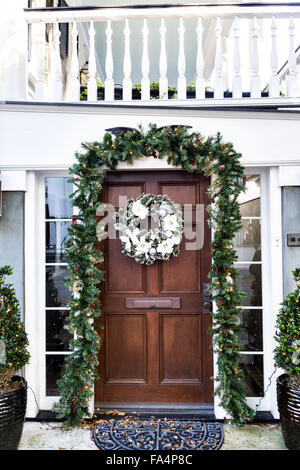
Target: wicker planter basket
[(12, 414), (288, 400)]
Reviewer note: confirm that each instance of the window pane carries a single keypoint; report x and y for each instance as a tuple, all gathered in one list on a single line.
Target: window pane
[(57, 293), (249, 281), (252, 365), (250, 334), (55, 366), (56, 237), (247, 241), (58, 204), (57, 337), (250, 199)]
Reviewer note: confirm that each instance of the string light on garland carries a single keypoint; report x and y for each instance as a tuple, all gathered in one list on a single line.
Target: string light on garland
[(193, 153)]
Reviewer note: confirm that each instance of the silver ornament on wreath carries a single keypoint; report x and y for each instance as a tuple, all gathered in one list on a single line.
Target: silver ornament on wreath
[(162, 240)]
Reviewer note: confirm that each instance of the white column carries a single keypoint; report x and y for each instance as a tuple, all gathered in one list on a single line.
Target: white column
[(274, 281), (145, 84), (181, 84), (57, 87), (274, 79), (163, 67), (40, 85), (219, 83), (109, 65), (255, 79), (200, 82), (127, 83), (31, 279), (292, 86), (92, 84), (237, 79), (74, 86)]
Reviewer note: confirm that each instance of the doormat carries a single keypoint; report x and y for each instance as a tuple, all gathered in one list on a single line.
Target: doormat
[(157, 434)]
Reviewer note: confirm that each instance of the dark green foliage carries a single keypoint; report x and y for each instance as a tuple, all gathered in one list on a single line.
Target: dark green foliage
[(192, 153), (12, 331), (287, 353)]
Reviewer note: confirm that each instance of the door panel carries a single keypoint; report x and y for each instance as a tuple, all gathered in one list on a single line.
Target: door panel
[(179, 333), (155, 355), (126, 348)]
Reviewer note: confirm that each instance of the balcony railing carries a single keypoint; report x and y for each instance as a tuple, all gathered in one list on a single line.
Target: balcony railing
[(53, 79)]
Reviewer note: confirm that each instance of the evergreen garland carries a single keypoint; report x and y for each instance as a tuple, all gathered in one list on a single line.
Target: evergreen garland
[(287, 352), (193, 153)]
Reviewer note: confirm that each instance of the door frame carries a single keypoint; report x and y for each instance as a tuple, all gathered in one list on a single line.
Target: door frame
[(34, 276)]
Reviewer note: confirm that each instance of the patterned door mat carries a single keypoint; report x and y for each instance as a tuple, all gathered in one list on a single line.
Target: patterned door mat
[(157, 434)]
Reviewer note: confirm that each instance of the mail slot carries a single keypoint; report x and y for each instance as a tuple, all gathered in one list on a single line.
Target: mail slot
[(152, 302)]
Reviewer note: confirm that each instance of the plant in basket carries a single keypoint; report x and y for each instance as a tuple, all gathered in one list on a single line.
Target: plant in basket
[(287, 356), (13, 356)]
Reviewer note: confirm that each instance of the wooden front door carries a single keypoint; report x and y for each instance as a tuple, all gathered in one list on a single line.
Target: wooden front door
[(155, 355)]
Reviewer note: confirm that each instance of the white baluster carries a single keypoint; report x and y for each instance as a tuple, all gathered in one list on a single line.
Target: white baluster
[(57, 83), (225, 61), (255, 79), (274, 79), (219, 83), (200, 82), (181, 84), (127, 83), (145, 84), (40, 85), (92, 84), (109, 65), (163, 67), (74, 86), (292, 76), (237, 79)]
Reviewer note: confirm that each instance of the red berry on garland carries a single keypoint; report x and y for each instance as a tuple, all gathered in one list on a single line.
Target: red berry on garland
[(216, 271), (223, 147), (222, 167), (216, 245), (219, 303)]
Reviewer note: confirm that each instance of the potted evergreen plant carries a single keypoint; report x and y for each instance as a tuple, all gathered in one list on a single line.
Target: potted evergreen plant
[(287, 356), (13, 356)]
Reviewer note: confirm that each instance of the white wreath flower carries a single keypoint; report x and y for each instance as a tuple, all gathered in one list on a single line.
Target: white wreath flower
[(157, 243)]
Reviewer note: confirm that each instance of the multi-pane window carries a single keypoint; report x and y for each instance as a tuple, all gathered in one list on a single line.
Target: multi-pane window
[(58, 214), (249, 265)]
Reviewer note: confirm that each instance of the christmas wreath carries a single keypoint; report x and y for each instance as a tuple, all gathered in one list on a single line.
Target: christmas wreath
[(163, 238)]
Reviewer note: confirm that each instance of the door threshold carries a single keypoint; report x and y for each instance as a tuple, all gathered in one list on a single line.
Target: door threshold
[(178, 410)]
